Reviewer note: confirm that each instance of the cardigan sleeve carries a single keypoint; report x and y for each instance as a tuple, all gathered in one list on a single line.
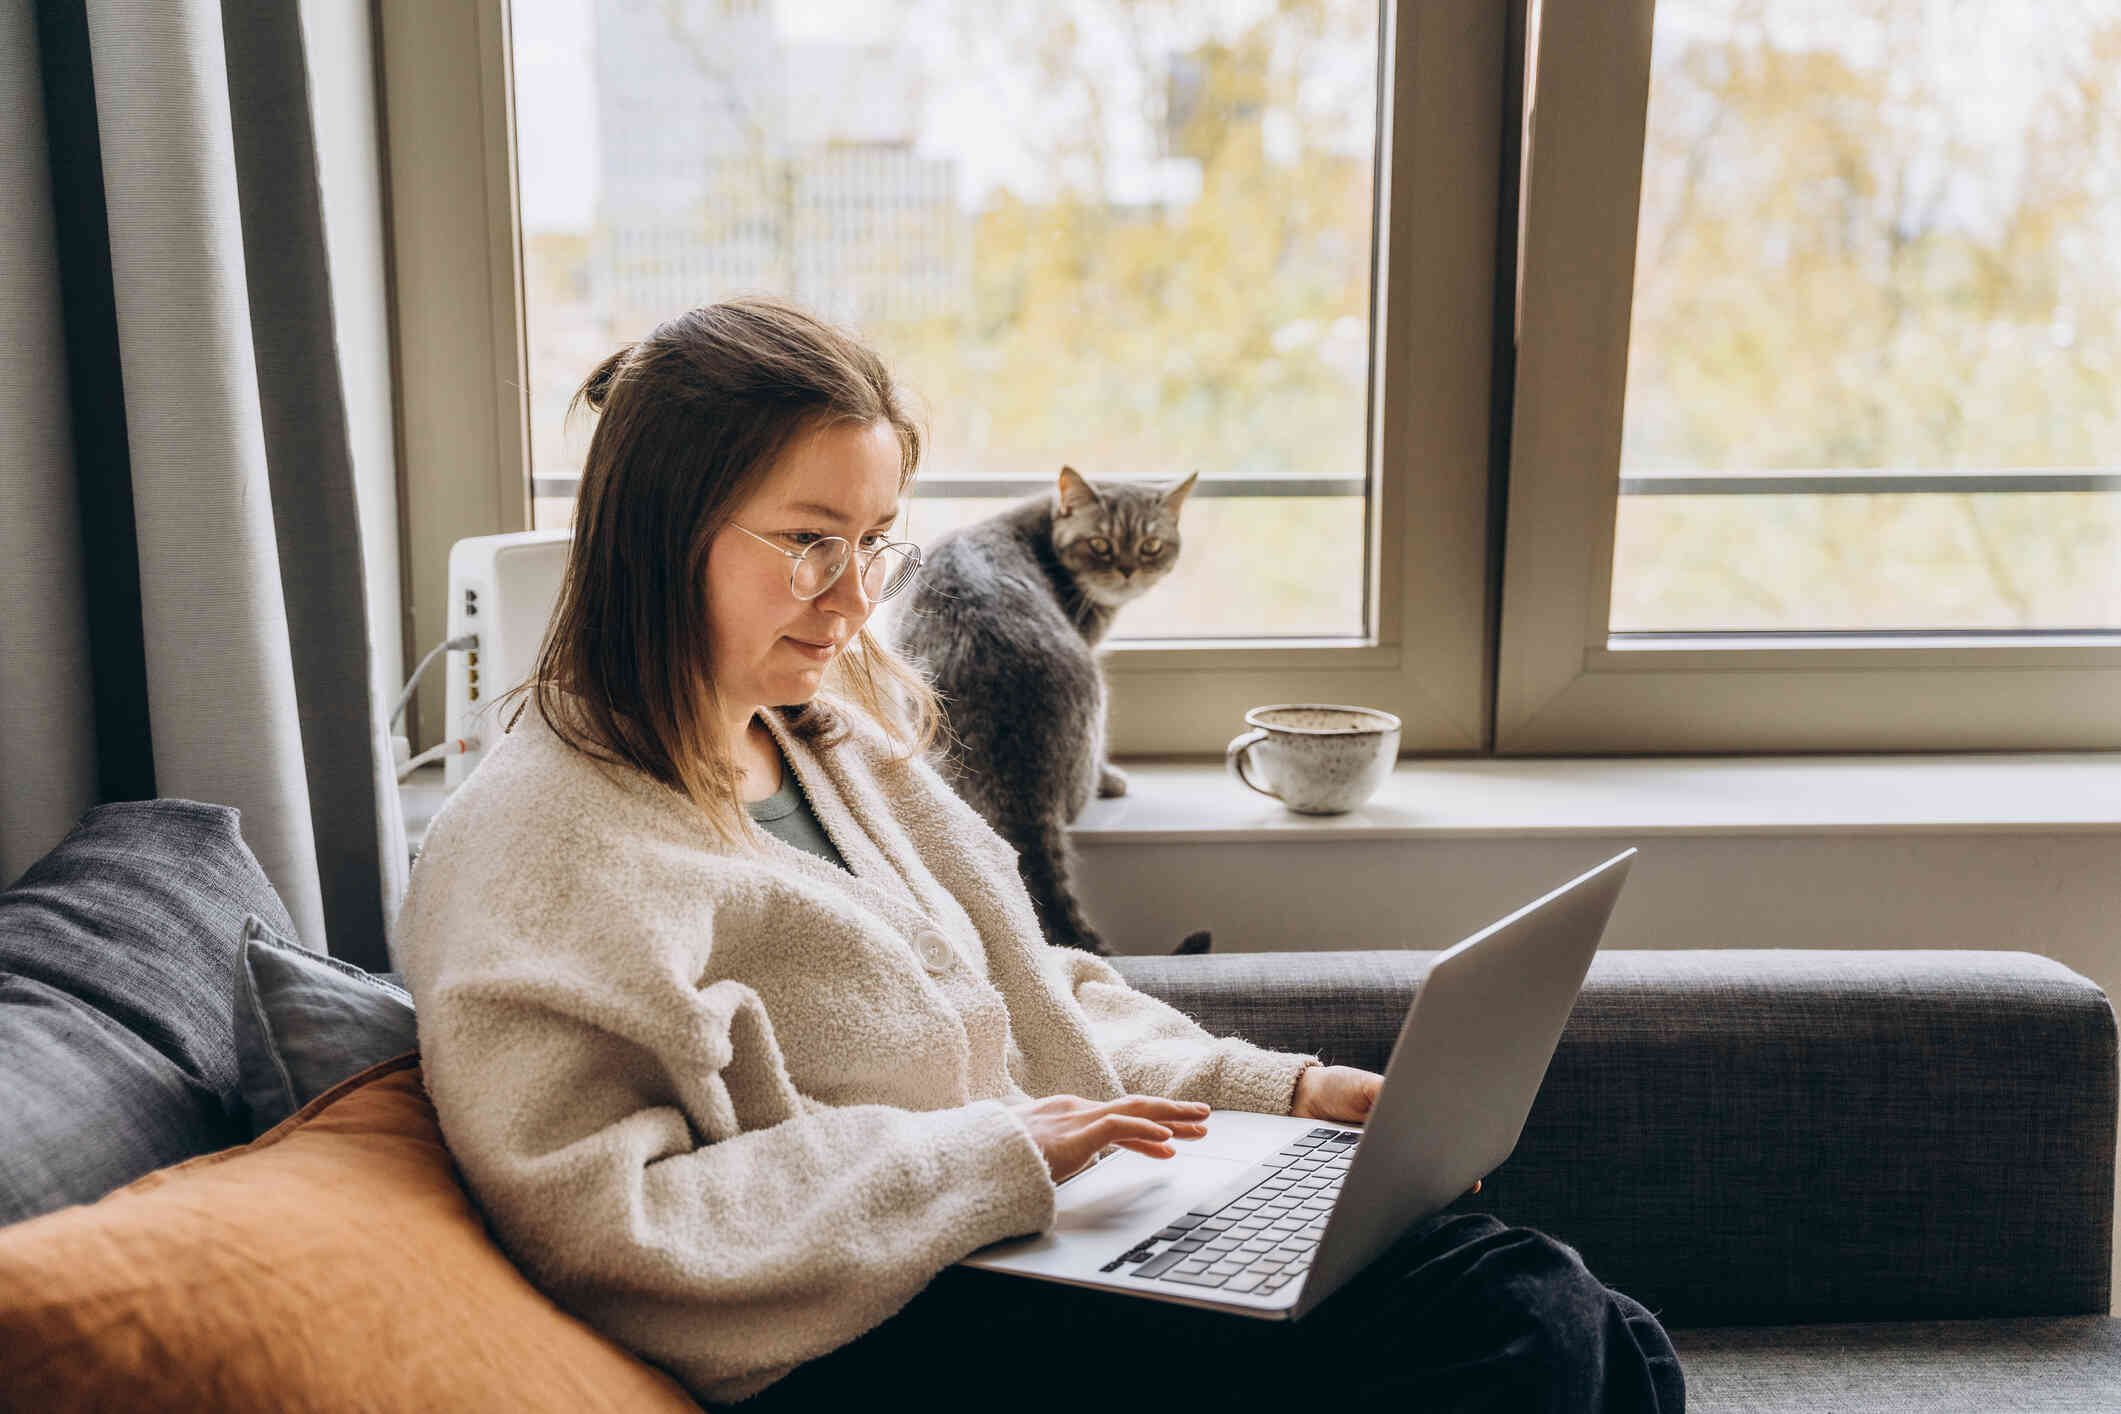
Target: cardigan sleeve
[(641, 1153), (1159, 1050)]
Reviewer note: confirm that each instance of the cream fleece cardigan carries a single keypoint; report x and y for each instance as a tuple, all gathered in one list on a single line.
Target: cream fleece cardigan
[(735, 1109)]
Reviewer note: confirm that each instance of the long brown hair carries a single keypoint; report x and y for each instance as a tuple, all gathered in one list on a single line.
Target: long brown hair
[(690, 421)]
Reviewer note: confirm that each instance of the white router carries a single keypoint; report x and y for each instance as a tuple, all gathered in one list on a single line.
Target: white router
[(501, 588)]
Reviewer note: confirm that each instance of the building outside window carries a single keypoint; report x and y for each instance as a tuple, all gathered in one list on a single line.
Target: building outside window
[(1134, 239)]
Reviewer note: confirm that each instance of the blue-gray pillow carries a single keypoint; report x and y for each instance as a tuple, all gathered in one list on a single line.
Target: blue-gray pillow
[(305, 1022), (117, 961)]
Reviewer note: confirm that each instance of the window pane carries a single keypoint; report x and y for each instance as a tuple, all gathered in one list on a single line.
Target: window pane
[(1876, 236), (1134, 238)]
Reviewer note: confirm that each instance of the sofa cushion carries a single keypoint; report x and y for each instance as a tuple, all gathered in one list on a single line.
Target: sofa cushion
[(85, 1105), (304, 1022), (1905, 1367), (117, 965), (337, 1263)]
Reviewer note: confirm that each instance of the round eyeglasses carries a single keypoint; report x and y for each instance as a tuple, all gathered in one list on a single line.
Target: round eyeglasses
[(885, 570)]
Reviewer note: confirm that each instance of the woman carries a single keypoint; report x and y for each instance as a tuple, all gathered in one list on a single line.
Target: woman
[(737, 1095)]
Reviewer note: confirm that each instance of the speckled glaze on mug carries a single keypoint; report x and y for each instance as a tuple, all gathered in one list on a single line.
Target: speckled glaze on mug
[(1317, 758)]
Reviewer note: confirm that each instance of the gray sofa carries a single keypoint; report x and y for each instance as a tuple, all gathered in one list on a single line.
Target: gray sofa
[(1844, 1180)]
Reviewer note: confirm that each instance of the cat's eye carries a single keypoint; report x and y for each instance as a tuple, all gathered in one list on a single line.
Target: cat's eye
[(1152, 545), (1100, 546)]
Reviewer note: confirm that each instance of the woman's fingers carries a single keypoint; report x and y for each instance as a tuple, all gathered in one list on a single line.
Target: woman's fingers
[(1144, 1136), (1069, 1129), (1158, 1108), (1116, 1129), (1147, 1123), (1176, 1119)]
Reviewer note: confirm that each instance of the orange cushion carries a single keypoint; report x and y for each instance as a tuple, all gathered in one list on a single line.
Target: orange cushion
[(335, 1263)]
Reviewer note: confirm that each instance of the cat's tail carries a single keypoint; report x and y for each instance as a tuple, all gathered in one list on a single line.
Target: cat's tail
[(1048, 869), (1047, 864)]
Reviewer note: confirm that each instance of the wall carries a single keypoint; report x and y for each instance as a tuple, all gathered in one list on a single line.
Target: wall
[(2054, 894)]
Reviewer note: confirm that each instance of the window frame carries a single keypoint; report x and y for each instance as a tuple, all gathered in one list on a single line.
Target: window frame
[(456, 301), (1564, 685), (458, 321)]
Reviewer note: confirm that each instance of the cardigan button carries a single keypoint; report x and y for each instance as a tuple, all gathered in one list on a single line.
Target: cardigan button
[(934, 950)]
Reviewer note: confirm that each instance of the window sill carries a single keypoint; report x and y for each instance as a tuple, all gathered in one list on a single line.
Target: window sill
[(1188, 801), (1196, 802)]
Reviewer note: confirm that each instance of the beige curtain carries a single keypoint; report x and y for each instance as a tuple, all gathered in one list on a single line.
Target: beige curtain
[(180, 550)]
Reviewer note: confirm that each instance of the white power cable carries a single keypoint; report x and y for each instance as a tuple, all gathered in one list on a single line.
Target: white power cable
[(466, 641), (435, 753)]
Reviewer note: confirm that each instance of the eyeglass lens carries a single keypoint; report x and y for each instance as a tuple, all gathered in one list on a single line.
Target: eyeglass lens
[(884, 573)]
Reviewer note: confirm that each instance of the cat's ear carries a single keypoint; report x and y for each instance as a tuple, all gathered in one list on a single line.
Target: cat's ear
[(1176, 496), (1075, 493)]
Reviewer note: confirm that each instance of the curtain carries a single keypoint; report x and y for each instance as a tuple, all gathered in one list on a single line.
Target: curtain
[(180, 553)]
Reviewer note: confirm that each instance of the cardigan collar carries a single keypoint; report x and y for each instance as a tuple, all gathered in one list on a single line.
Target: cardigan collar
[(887, 871)]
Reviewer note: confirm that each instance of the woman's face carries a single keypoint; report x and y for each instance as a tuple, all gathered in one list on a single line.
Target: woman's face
[(771, 649)]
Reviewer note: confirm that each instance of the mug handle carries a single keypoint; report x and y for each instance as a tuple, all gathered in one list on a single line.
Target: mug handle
[(1234, 758)]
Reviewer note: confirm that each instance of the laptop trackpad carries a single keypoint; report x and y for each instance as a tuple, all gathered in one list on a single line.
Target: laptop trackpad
[(1128, 1189), (1126, 1196)]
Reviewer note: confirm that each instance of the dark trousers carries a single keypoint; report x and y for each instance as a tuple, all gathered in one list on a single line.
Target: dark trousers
[(1462, 1314)]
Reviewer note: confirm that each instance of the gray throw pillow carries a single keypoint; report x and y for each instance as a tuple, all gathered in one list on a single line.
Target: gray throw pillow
[(117, 960), (305, 1022)]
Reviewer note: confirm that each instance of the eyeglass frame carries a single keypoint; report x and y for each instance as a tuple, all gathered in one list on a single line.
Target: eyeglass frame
[(911, 551)]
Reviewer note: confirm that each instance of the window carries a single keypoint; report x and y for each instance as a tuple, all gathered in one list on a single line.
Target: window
[(1842, 473), (1141, 238), (1805, 439)]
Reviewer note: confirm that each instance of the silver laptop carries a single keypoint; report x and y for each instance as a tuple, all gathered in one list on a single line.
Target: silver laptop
[(1268, 1215)]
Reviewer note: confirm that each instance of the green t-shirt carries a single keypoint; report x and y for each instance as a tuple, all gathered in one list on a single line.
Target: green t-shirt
[(786, 814)]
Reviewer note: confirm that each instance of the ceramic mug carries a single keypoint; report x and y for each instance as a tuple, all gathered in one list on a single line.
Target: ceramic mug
[(1317, 758)]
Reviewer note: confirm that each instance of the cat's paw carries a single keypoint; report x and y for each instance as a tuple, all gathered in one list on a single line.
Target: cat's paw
[(1111, 781)]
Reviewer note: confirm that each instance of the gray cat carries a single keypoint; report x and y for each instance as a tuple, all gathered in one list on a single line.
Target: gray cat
[(1006, 618)]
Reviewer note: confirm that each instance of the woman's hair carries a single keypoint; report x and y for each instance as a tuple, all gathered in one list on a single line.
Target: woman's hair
[(691, 421)]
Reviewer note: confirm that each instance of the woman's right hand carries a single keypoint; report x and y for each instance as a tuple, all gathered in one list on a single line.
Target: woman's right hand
[(1069, 1130)]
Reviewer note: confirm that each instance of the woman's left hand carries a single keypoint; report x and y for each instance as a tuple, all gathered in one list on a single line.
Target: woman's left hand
[(1340, 1093)]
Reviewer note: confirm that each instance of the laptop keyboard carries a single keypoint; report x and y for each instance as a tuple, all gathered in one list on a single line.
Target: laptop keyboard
[(1259, 1235)]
